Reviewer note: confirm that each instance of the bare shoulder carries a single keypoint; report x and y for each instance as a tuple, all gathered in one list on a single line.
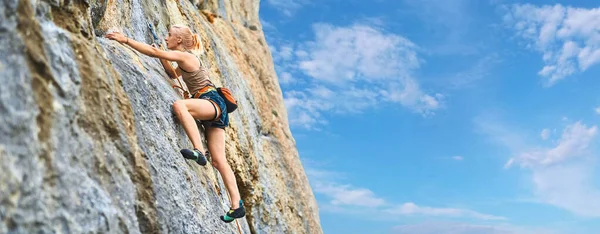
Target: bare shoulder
[(189, 61)]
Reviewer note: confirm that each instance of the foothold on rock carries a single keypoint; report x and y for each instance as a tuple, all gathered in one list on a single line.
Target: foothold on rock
[(253, 27)]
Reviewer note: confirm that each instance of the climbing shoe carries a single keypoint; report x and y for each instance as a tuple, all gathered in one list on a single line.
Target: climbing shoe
[(234, 214), (195, 155)]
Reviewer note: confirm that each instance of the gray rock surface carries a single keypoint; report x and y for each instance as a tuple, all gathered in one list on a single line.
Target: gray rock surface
[(89, 142)]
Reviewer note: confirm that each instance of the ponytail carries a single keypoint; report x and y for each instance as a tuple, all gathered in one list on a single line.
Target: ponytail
[(196, 40)]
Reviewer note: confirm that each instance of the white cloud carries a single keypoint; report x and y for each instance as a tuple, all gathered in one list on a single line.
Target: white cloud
[(348, 199), (574, 142), (361, 66), (288, 7), (563, 175), (317, 174), (463, 228), (348, 195), (340, 195), (568, 37), (597, 109), (285, 52), (412, 97), (281, 53), (358, 53), (301, 54), (570, 187), (286, 78), (305, 111), (413, 209), (545, 134), (458, 158)]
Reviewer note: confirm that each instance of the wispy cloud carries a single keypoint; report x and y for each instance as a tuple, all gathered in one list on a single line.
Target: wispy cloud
[(450, 25), (349, 199), (288, 7), (562, 175), (319, 174), (545, 134), (350, 69), (479, 70), (410, 208), (464, 228), (575, 141), (327, 183), (491, 125), (348, 195), (566, 36), (569, 186), (458, 158)]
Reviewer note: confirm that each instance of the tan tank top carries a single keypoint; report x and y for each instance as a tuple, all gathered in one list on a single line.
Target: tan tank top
[(197, 79)]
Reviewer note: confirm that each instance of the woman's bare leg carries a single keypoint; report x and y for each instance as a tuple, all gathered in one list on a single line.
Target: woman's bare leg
[(216, 147), (189, 109)]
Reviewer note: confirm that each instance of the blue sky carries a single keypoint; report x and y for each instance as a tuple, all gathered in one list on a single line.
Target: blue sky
[(455, 116)]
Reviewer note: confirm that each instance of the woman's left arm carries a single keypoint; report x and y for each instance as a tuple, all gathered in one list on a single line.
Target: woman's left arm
[(145, 48)]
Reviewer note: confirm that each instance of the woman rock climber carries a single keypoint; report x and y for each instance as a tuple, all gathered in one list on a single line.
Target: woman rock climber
[(205, 105)]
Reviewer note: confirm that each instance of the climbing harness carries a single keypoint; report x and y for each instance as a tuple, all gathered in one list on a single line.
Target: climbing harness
[(225, 93), (186, 94)]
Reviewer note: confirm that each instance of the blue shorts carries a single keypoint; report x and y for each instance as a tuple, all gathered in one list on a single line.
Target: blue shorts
[(212, 95)]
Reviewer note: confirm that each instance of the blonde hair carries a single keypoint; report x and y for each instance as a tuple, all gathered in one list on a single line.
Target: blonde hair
[(190, 41)]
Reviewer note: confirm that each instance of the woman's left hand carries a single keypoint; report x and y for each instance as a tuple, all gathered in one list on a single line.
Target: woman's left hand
[(117, 37)]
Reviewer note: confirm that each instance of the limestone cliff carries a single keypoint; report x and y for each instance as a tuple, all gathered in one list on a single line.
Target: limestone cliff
[(89, 142)]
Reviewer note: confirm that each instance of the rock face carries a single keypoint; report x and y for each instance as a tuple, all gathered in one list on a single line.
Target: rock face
[(89, 142)]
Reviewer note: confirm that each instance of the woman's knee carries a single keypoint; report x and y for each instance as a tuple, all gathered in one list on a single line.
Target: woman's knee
[(179, 106), (219, 164)]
